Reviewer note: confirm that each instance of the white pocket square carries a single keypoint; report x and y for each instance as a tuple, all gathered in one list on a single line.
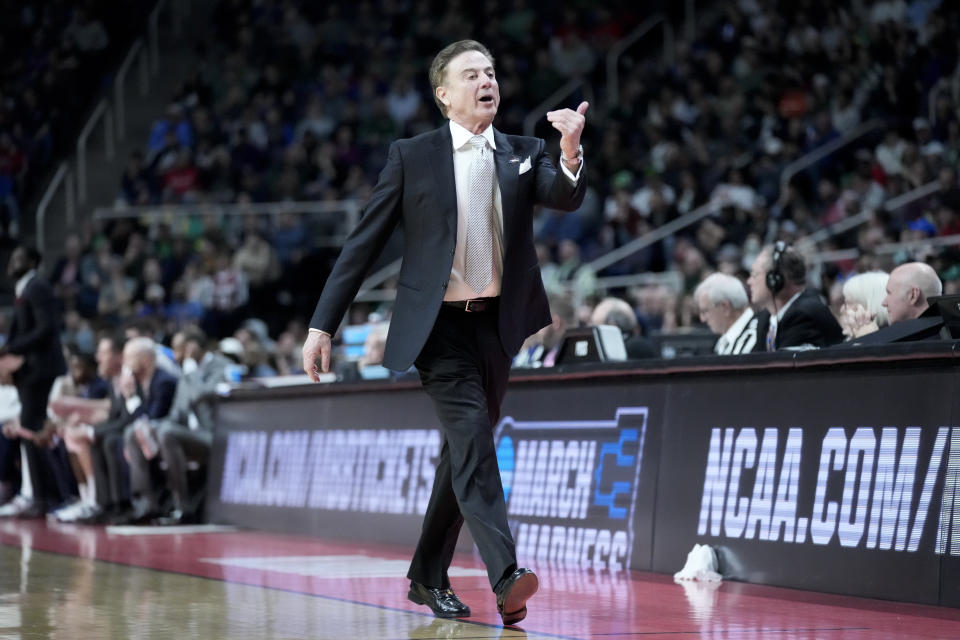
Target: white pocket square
[(525, 166)]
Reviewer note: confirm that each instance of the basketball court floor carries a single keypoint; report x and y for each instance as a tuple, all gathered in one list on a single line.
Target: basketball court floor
[(79, 583)]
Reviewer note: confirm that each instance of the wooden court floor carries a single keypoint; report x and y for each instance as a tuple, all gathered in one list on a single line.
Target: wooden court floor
[(79, 583)]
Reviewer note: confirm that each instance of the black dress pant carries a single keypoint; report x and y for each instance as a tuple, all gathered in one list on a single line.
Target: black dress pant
[(464, 371), (33, 416), (110, 470)]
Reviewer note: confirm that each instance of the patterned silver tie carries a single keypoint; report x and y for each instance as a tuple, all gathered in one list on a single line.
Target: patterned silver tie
[(478, 261)]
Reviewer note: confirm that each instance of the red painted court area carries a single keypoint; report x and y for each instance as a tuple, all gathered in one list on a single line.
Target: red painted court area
[(295, 587)]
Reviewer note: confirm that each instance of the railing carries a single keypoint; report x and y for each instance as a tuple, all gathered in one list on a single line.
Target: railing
[(825, 150), (893, 204), (690, 20), (120, 84), (613, 57), (62, 175), (644, 241), (530, 122), (671, 279), (103, 111), (153, 36), (885, 249), (149, 213)]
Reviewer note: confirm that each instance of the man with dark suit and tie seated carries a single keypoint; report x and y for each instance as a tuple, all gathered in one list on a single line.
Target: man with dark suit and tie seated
[(33, 358), (724, 306), (798, 317), (469, 293), (185, 435)]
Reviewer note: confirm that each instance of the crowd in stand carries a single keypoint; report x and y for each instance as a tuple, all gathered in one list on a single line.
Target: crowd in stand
[(56, 57), (287, 104)]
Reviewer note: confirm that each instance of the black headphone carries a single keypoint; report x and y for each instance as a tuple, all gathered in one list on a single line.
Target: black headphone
[(775, 280)]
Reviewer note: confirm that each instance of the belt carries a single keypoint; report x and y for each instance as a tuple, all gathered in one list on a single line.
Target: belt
[(474, 305)]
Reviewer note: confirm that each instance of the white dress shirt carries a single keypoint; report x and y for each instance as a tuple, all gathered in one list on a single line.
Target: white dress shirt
[(736, 339), (463, 156), (23, 282)]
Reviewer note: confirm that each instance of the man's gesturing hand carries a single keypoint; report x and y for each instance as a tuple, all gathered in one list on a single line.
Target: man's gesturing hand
[(570, 125), (316, 347)]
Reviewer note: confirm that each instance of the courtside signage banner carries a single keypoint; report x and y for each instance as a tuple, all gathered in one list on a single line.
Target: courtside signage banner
[(846, 487), (576, 476), (571, 487), (841, 480)]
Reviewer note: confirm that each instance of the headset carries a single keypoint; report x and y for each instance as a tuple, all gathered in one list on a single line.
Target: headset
[(775, 280)]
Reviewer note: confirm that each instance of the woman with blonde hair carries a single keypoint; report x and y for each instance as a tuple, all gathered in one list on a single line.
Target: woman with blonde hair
[(862, 311)]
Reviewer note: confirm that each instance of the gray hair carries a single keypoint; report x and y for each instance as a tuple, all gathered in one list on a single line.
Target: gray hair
[(720, 287), (438, 68), (141, 346), (868, 290), (616, 312)]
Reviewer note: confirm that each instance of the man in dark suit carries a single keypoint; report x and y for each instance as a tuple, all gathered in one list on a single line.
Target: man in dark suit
[(186, 434), (147, 391), (143, 390), (34, 337), (798, 317), (469, 293)]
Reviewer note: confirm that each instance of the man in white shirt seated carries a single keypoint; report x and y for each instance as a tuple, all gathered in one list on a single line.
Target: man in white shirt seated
[(724, 306)]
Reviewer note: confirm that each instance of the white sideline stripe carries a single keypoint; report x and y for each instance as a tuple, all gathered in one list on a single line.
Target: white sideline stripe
[(352, 566), (169, 531)]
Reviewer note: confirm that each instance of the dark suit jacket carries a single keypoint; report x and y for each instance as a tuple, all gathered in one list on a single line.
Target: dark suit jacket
[(195, 393), (155, 405), (808, 321), (417, 188), (35, 335)]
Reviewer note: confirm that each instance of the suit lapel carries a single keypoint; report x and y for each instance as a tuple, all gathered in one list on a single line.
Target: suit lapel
[(507, 176), (441, 162)]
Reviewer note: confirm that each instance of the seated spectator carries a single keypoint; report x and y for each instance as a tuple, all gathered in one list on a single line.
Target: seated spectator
[(94, 468), (908, 288), (862, 311), (619, 313), (798, 317), (145, 390), (184, 435), (148, 393), (540, 349), (80, 382), (724, 306)]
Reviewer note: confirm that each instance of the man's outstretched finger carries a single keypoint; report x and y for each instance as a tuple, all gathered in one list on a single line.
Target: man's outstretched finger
[(582, 109)]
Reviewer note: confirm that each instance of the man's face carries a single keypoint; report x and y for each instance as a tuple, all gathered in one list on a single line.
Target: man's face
[(18, 264), (470, 91), (897, 300), (714, 314), (757, 282), (133, 361), (178, 346), (108, 362)]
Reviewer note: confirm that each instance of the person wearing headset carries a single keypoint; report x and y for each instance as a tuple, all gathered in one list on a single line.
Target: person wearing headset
[(798, 317)]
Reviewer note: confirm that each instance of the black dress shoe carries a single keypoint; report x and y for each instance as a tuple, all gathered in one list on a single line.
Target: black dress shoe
[(513, 593), (443, 602), (176, 518)]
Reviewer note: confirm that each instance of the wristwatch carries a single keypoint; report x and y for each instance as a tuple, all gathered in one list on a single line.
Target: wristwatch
[(576, 158)]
